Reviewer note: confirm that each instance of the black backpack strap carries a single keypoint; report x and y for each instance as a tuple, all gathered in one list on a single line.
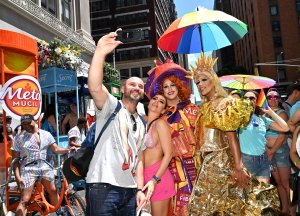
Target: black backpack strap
[(111, 117)]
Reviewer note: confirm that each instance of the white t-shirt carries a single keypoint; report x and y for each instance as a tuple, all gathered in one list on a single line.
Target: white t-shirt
[(140, 109), (106, 164), (79, 135)]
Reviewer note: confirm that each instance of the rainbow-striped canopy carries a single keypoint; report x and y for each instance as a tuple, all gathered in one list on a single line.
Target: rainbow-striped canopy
[(201, 31), (242, 81)]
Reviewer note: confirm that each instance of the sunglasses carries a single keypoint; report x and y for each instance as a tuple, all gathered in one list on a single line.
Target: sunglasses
[(250, 98), (275, 97), (134, 126)]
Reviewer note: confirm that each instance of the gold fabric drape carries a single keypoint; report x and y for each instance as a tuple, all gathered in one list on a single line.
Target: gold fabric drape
[(214, 193)]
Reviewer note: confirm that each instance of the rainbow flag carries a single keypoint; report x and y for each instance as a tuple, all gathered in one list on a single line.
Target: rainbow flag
[(262, 100)]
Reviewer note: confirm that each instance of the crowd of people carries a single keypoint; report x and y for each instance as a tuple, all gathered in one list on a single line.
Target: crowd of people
[(180, 159)]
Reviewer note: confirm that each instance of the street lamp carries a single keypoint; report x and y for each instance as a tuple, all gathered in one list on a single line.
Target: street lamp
[(114, 52), (278, 60), (114, 58)]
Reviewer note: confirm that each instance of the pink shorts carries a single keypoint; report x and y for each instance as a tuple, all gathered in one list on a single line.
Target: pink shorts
[(165, 189)]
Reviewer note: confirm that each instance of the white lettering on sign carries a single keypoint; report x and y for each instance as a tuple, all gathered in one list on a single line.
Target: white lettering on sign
[(43, 77), (63, 77), (25, 104), (21, 95)]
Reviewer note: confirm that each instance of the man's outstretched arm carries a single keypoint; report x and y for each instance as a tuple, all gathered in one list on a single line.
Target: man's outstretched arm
[(105, 45)]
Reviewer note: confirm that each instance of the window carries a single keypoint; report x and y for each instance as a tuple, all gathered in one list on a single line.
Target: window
[(100, 23), (277, 42), (298, 6), (132, 19), (135, 72), (126, 3), (99, 5), (145, 34), (145, 71), (133, 54), (281, 74), (276, 26), (49, 5), (66, 12), (274, 10), (124, 73), (120, 3)]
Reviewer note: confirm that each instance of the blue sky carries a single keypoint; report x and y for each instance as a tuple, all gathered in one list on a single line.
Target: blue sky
[(187, 6)]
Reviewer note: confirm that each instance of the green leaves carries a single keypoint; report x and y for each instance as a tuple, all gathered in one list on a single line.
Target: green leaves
[(110, 74)]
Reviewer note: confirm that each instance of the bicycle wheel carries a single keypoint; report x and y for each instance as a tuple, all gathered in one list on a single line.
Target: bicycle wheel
[(75, 205)]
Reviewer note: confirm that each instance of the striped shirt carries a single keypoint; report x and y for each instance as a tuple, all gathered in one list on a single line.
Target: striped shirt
[(26, 144)]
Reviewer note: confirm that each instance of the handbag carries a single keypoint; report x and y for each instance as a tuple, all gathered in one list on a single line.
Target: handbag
[(144, 211), (293, 180), (76, 167)]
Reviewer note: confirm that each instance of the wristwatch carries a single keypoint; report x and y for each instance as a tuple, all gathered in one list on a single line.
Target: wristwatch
[(156, 179), (137, 190)]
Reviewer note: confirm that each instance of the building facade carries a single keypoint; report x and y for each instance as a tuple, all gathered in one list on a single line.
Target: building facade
[(142, 23), (46, 19), (273, 37)]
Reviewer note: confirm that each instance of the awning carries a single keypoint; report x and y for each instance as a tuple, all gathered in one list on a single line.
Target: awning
[(57, 80)]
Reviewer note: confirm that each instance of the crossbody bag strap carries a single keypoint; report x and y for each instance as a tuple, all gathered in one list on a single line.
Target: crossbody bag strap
[(143, 120), (111, 117)]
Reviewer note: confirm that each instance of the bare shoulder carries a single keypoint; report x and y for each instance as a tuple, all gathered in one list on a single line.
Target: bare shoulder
[(161, 124), (68, 115), (51, 118), (283, 115)]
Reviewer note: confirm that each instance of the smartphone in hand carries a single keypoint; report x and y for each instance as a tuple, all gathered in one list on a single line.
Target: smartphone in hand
[(129, 35)]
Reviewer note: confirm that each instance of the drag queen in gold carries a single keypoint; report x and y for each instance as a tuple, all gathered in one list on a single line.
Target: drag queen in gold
[(223, 186)]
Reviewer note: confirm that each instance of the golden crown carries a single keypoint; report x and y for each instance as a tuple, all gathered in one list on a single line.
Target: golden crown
[(204, 64)]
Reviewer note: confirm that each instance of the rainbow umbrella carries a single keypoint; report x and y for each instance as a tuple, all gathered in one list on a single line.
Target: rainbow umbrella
[(247, 82), (201, 31)]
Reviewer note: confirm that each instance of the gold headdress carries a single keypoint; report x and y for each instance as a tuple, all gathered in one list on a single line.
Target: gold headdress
[(204, 64)]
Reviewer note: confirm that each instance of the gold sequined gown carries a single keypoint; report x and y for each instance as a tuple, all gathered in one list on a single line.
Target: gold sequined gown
[(213, 193)]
